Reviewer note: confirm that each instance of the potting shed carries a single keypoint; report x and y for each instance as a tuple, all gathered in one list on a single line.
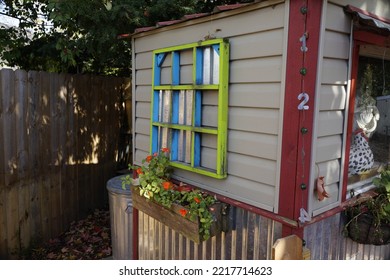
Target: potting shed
[(259, 104)]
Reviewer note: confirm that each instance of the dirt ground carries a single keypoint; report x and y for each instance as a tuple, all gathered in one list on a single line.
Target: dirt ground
[(87, 239)]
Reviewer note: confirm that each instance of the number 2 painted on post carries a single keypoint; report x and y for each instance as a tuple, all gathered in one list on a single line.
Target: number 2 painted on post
[(302, 105)]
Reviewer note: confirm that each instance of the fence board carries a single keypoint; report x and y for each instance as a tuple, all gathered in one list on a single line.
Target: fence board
[(9, 127), (2, 134), (56, 107), (12, 226), (71, 145), (58, 145), (44, 141), (32, 120), (24, 215), (3, 225), (65, 200), (20, 126)]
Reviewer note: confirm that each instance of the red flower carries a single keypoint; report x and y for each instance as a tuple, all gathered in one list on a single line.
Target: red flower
[(139, 171), (165, 150), (149, 158), (167, 185), (197, 200), (183, 212)]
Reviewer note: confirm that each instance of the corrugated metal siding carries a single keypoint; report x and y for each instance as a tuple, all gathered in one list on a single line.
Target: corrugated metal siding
[(255, 98), (377, 7), (251, 238), (326, 242)]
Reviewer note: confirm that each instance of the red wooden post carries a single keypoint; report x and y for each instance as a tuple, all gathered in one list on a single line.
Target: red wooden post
[(304, 20)]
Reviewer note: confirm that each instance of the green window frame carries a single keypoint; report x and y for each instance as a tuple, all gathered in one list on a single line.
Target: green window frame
[(184, 78)]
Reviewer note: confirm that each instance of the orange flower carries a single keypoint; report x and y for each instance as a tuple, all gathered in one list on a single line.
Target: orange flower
[(167, 185), (197, 200), (139, 171), (149, 158), (165, 150), (183, 212)]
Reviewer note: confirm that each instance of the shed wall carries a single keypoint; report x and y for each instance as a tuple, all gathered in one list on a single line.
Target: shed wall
[(255, 97), (332, 97)]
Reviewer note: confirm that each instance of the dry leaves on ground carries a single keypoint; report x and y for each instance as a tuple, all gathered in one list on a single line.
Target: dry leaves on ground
[(87, 239)]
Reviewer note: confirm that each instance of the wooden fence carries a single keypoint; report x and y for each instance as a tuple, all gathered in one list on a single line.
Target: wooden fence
[(58, 148)]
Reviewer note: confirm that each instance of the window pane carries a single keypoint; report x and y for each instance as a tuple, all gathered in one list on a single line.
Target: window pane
[(371, 125)]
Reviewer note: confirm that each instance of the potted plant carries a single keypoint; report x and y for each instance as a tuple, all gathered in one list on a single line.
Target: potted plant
[(368, 218), (187, 210)]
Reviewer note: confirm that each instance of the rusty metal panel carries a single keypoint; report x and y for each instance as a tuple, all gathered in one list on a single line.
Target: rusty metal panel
[(326, 242), (250, 237)]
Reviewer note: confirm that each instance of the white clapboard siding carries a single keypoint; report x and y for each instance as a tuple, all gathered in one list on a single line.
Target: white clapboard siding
[(265, 19), (332, 97), (166, 75), (330, 170), (336, 45), (186, 74), (334, 71), (255, 98), (142, 141), (267, 69), (331, 105), (333, 191), (142, 126), (142, 110), (336, 20), (256, 144), (329, 148), (143, 93), (208, 158), (209, 141), (143, 77), (330, 123), (252, 168), (258, 95), (209, 116), (144, 60), (268, 44), (235, 187), (255, 120)]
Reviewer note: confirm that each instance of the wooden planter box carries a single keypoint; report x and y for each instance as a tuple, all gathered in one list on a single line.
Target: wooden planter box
[(172, 218)]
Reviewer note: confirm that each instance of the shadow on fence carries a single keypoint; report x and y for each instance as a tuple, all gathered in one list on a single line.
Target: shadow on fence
[(58, 147)]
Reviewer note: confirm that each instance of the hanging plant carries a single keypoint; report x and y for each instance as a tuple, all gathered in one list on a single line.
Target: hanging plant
[(369, 218)]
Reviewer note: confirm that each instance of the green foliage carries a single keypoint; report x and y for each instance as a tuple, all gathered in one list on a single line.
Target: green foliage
[(381, 204), (153, 175), (154, 183), (375, 209), (82, 36)]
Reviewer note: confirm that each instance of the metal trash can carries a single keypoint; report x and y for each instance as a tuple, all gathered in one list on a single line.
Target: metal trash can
[(121, 216)]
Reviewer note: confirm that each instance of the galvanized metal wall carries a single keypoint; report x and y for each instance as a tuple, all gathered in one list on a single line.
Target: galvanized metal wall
[(251, 237), (326, 242)]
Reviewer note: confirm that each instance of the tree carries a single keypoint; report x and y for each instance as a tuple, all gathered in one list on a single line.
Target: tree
[(82, 36)]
